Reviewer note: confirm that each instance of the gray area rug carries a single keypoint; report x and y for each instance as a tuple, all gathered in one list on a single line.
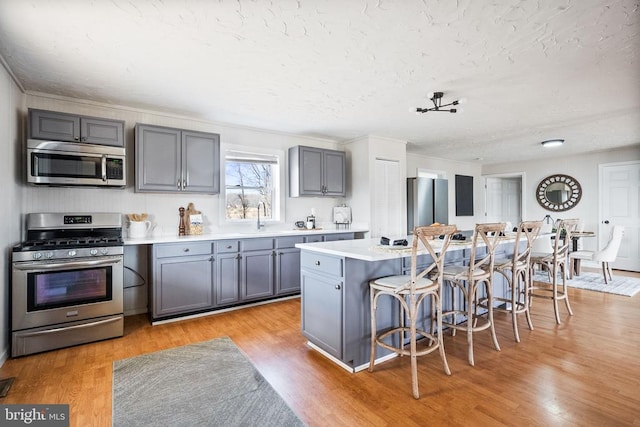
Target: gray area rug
[(210, 383), (620, 285)]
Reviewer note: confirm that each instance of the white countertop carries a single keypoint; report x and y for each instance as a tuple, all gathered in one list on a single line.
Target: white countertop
[(240, 235), (371, 250)]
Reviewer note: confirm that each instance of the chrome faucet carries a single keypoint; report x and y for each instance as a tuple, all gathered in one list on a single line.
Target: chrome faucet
[(264, 211)]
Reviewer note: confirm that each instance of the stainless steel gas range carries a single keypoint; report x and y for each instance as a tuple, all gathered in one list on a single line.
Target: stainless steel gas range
[(67, 281)]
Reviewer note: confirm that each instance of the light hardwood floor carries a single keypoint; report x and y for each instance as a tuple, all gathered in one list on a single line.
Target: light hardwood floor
[(585, 371)]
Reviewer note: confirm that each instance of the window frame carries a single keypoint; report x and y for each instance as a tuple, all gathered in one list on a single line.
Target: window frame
[(278, 201)]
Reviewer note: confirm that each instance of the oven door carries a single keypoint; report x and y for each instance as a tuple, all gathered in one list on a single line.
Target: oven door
[(54, 292)]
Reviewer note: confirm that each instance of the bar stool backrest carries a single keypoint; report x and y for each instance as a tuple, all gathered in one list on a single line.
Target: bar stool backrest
[(565, 229), (530, 230), (489, 234), (425, 237)]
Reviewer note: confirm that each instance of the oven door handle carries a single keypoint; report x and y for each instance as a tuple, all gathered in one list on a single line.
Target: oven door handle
[(57, 265), (68, 328)]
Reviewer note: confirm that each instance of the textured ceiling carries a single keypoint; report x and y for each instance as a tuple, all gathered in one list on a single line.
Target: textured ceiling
[(530, 70)]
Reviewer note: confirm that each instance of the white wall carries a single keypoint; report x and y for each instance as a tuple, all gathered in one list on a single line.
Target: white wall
[(451, 169), (583, 168), (11, 124), (163, 208)]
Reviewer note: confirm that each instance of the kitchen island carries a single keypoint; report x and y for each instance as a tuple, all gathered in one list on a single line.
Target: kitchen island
[(335, 293)]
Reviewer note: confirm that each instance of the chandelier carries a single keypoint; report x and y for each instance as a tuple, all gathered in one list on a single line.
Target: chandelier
[(436, 98)]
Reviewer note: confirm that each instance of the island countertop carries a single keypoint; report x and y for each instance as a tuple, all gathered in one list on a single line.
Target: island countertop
[(371, 250)]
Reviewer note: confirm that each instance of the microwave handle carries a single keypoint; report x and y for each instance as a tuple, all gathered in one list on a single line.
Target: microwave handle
[(104, 168)]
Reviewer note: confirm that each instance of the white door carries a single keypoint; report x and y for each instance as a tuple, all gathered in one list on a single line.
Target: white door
[(619, 190), (387, 218), (503, 199)]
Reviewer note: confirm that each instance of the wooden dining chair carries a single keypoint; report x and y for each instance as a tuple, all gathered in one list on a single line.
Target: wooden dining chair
[(410, 291)]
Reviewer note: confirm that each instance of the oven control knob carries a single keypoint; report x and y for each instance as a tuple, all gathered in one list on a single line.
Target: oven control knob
[(48, 254), (104, 251), (72, 252), (93, 252), (37, 255)]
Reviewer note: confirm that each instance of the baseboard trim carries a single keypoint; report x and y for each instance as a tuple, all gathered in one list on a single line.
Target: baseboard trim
[(222, 310), (346, 367)]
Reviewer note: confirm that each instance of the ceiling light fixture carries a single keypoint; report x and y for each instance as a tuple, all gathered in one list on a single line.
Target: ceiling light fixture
[(552, 142), (436, 98)]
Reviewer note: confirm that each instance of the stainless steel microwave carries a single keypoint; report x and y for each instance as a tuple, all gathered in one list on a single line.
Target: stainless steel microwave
[(75, 164)]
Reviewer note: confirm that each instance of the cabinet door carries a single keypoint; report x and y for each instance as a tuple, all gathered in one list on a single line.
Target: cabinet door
[(334, 174), (99, 131), (322, 312), (54, 126), (311, 171), (257, 274), (182, 285), (157, 159), (201, 162), (287, 271), (228, 279)]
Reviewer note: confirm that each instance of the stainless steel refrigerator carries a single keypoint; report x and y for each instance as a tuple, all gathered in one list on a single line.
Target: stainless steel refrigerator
[(427, 202)]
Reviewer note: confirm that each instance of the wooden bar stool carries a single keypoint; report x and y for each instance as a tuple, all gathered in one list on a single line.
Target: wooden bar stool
[(410, 291), (517, 274), (468, 279), (555, 264)]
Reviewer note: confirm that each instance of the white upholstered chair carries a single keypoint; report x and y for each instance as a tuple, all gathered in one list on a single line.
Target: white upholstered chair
[(517, 274), (604, 256), (410, 291), (468, 279), (555, 264)]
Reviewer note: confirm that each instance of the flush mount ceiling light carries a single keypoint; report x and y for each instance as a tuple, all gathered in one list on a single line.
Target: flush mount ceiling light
[(436, 98), (552, 142)]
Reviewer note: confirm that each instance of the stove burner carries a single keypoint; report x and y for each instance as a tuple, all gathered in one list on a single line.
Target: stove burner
[(63, 243)]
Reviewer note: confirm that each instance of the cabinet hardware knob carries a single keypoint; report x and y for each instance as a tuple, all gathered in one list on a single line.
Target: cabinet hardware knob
[(229, 247), (185, 249), (317, 262), (178, 184), (337, 287)]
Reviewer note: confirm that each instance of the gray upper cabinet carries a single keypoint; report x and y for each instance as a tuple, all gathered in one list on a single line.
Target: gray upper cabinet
[(316, 172), (55, 126), (176, 160)]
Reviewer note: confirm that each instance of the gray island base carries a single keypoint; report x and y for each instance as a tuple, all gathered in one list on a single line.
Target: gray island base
[(335, 303)]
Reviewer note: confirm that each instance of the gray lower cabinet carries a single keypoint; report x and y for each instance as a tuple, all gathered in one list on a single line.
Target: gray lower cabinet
[(176, 160), (322, 297), (317, 172), (245, 270), (257, 275), (194, 277), (287, 273), (56, 126), (182, 278)]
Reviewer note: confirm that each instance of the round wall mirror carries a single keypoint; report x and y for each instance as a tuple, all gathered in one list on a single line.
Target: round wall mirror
[(558, 193)]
